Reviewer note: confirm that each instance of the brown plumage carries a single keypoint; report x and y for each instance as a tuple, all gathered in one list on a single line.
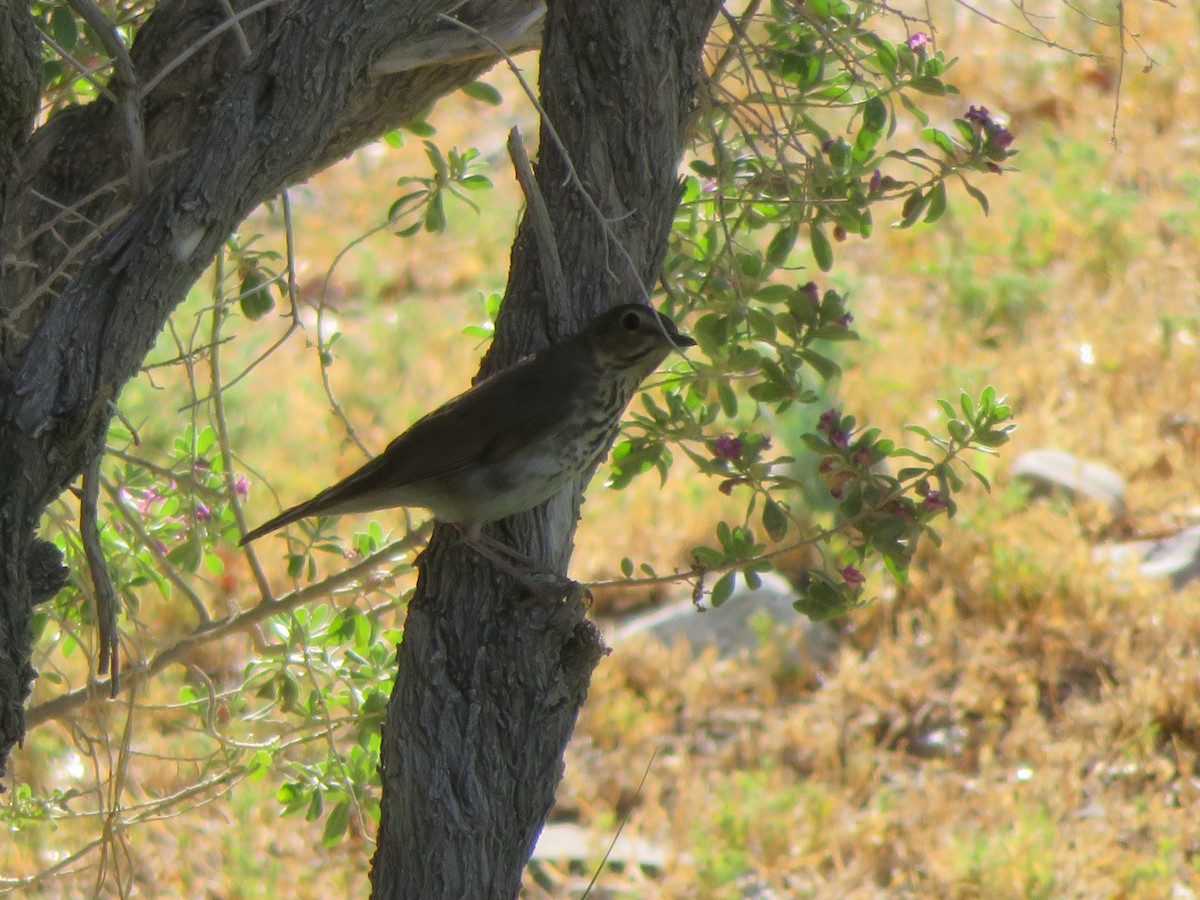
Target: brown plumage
[(513, 440)]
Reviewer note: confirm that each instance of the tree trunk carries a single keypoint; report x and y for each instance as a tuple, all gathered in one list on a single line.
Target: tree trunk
[(490, 681), (111, 211)]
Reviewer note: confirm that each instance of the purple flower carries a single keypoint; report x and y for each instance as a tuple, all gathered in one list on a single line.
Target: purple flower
[(933, 501), (876, 182), (813, 293), (202, 513), (862, 458), (853, 577), (845, 319), (978, 115), (918, 41), (241, 486), (1001, 138), (830, 425), (145, 502), (726, 447)]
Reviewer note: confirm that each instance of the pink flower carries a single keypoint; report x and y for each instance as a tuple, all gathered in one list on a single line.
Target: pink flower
[(918, 41)]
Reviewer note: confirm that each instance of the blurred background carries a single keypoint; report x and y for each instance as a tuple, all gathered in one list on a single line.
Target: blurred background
[(1020, 719)]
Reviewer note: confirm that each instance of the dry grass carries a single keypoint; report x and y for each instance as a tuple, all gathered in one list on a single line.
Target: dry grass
[(1017, 721)]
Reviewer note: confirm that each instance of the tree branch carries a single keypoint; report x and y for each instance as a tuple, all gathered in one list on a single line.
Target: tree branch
[(222, 134), (216, 630)]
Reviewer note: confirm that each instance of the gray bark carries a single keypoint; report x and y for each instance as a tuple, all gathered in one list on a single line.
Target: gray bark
[(91, 264), (96, 250), (490, 683)]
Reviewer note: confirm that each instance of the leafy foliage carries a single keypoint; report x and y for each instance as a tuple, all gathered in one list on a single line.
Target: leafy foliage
[(812, 126)]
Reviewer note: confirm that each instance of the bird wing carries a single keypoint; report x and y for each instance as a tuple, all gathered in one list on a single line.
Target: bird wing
[(493, 420)]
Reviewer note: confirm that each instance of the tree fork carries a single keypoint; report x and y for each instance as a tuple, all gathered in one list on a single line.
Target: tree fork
[(78, 316), (489, 687)]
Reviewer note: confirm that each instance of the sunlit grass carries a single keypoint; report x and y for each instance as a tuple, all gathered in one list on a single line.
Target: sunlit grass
[(1017, 721)]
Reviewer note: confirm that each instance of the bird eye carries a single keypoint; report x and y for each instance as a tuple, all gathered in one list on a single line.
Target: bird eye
[(630, 321)]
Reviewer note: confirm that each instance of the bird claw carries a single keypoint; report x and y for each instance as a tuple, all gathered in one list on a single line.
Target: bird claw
[(548, 585)]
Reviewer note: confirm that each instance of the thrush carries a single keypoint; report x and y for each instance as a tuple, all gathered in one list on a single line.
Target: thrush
[(513, 440)]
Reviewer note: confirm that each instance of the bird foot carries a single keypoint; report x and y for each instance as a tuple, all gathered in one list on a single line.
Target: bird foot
[(538, 581)]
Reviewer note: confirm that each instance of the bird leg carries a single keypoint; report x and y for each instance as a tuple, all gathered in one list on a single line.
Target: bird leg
[(521, 567)]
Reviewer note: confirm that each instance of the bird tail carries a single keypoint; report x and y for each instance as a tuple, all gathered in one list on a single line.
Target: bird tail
[(287, 517)]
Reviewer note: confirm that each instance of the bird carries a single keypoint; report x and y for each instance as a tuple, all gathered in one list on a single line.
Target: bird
[(513, 440)]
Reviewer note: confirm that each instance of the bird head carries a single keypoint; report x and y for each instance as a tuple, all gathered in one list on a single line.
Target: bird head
[(633, 339)]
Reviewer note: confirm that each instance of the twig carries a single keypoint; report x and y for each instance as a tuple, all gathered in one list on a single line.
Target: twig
[(621, 827), (323, 304), (1120, 70), (573, 175), (207, 38), (84, 71), (207, 632), (539, 219), (239, 32), (548, 124), (130, 101), (218, 402), (102, 586), (171, 572), (293, 293)]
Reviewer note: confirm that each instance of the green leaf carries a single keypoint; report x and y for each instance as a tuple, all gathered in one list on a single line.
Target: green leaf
[(63, 26), (825, 366), (483, 92), (723, 589), (420, 128), (928, 84), (728, 398), (440, 167), (335, 825), (942, 140), (822, 250), (918, 113), (435, 215), (781, 245), (255, 297), (914, 208), (980, 196), (821, 601), (875, 115), (990, 438), (937, 202), (774, 520)]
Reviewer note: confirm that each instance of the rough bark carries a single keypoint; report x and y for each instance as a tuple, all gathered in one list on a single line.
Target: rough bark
[(490, 684), (97, 250)]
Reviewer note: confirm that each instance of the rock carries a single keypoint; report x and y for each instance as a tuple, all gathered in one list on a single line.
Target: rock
[(1176, 557), (1054, 468), (731, 627), (567, 841)]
